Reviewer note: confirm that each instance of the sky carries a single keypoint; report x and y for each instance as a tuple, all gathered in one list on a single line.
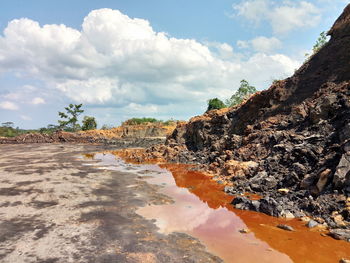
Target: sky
[(154, 58)]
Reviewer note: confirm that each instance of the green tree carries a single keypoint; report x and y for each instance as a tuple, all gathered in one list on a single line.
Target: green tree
[(8, 124), (89, 123), (320, 42), (241, 94), (71, 117), (215, 104)]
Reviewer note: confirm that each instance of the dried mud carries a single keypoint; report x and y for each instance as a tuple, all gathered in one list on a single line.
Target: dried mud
[(56, 207)]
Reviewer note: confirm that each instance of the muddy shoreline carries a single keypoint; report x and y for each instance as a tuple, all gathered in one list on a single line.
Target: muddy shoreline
[(56, 207)]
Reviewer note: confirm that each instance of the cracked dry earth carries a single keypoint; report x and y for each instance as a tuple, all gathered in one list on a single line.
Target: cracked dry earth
[(57, 207)]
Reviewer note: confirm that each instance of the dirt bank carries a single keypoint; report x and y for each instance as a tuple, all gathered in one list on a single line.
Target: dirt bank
[(133, 131), (56, 207), (91, 137)]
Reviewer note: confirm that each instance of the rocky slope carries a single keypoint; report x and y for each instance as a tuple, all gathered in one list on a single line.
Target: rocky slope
[(290, 144)]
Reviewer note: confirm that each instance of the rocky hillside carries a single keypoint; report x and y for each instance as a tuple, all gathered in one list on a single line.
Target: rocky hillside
[(290, 144)]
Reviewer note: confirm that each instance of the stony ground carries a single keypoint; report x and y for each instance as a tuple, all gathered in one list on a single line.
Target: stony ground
[(56, 208)]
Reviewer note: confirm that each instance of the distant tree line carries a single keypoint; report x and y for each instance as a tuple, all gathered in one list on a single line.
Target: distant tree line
[(144, 120), (7, 130)]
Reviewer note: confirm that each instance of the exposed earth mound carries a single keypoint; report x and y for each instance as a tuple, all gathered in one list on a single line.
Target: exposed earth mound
[(134, 131), (59, 136), (290, 144), (124, 136)]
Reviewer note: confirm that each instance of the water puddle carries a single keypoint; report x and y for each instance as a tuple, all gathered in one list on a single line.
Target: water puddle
[(202, 210)]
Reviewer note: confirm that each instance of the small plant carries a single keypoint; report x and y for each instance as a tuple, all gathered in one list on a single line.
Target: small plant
[(89, 123), (241, 94), (320, 42), (215, 104)]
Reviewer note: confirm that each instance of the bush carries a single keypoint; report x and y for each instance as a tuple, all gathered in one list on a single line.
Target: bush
[(137, 121), (215, 104), (89, 123)]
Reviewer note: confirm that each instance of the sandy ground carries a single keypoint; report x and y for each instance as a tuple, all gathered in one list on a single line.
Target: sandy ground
[(55, 207)]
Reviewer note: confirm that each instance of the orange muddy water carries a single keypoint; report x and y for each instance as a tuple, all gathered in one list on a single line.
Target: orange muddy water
[(202, 210)]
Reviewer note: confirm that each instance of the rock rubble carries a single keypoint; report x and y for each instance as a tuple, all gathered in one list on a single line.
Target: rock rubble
[(294, 136)]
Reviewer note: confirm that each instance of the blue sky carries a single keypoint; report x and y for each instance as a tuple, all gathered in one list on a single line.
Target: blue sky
[(155, 58)]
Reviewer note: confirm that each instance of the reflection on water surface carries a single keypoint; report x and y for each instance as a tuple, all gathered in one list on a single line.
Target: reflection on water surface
[(201, 209)]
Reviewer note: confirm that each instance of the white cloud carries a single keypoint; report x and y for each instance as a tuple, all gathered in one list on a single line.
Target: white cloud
[(261, 44), (261, 65), (8, 105), (38, 100), (283, 16), (146, 110), (118, 61), (264, 44), (224, 50), (293, 16), (253, 10), (25, 94)]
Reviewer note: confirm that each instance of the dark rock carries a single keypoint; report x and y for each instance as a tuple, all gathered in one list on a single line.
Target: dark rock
[(342, 174), (299, 169), (285, 227), (340, 234), (270, 182), (347, 147), (242, 202), (256, 187), (344, 134), (256, 205), (283, 148), (308, 180), (269, 206)]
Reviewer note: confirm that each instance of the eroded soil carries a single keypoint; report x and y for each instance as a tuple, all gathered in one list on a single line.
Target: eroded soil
[(57, 207)]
